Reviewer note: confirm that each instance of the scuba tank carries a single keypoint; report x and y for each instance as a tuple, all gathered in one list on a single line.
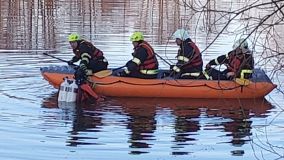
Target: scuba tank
[(62, 95), (72, 92)]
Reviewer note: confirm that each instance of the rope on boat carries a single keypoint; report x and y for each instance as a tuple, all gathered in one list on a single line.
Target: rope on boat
[(258, 76), (163, 83)]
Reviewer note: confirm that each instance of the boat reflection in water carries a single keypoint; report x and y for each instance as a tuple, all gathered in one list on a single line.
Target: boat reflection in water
[(167, 123)]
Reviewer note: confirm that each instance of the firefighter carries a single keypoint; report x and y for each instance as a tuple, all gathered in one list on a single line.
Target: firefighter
[(189, 60), (92, 58), (239, 63), (144, 63)]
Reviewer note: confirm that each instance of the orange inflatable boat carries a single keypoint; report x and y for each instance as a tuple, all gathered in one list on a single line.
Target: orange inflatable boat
[(259, 86)]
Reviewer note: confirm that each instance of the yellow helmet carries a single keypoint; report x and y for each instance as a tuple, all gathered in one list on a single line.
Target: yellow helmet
[(73, 37), (136, 36)]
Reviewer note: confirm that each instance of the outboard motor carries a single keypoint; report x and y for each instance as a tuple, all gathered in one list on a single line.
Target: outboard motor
[(62, 95), (72, 92), (68, 91)]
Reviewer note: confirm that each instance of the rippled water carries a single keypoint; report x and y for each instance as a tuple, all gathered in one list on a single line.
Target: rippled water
[(34, 126)]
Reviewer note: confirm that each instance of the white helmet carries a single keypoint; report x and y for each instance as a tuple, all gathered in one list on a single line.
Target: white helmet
[(181, 34), (242, 43)]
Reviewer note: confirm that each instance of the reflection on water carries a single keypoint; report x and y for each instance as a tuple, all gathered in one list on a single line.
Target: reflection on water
[(141, 123), (39, 25), (180, 123), (87, 122)]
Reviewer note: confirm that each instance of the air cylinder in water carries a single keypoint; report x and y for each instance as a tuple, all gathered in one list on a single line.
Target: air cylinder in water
[(62, 95), (72, 92)]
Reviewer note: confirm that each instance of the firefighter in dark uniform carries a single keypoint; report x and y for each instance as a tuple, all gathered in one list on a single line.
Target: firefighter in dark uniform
[(92, 59), (189, 60), (239, 63), (144, 63)]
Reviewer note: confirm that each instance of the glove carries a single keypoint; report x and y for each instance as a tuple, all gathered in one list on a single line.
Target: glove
[(70, 62), (84, 68), (175, 69), (121, 74), (230, 75), (80, 76), (208, 66)]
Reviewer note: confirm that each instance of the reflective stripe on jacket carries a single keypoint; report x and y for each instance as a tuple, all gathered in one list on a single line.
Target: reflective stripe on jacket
[(245, 71), (191, 60), (85, 47), (150, 72), (234, 62), (240, 64)]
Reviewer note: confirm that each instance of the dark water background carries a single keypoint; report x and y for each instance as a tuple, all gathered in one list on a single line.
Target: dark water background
[(34, 126)]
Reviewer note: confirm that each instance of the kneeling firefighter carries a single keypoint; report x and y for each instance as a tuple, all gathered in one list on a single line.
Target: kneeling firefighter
[(239, 63), (92, 61)]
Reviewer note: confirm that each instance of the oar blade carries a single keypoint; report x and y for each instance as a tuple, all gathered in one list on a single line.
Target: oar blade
[(103, 73), (242, 82)]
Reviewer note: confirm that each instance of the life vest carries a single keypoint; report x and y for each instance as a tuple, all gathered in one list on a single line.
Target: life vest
[(151, 62), (93, 51), (234, 62), (194, 60)]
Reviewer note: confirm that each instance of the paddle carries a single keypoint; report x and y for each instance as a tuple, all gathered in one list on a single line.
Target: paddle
[(242, 82), (100, 74), (56, 57), (105, 73)]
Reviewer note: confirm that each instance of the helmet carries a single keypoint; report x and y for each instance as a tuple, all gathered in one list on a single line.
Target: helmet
[(242, 43), (181, 34), (73, 37), (136, 36)]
